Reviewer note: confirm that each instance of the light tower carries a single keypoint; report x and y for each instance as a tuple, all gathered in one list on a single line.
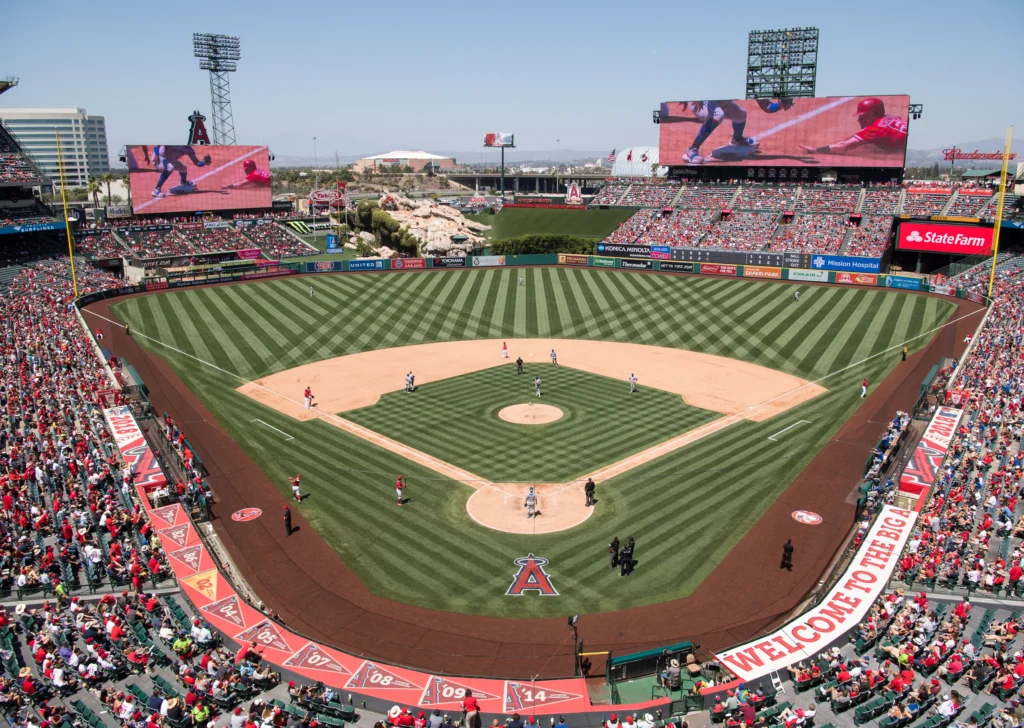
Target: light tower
[(220, 55)]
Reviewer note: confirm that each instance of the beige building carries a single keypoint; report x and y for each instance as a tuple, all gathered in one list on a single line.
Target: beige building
[(419, 161)]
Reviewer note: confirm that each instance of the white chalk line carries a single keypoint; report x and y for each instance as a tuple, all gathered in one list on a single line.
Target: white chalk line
[(144, 205), (798, 422), (803, 117), (267, 424), (447, 468)]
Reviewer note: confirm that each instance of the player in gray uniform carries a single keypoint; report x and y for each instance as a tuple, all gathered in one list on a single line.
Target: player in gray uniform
[(554, 357), (531, 503), (536, 384), (167, 159), (632, 383), (796, 295)]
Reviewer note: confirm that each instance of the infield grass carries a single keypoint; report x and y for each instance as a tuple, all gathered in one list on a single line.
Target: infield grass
[(687, 509)]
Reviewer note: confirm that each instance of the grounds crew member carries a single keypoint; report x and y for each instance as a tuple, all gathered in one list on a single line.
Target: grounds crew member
[(588, 488), (904, 352), (787, 555), (613, 549), (287, 521)]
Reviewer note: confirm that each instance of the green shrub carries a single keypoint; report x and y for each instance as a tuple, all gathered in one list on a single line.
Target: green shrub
[(538, 244)]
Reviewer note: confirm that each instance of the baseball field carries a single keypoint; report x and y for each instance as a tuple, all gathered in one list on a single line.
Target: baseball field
[(739, 387), (515, 221)]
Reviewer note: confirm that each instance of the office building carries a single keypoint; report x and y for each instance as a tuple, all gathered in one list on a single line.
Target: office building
[(83, 141)]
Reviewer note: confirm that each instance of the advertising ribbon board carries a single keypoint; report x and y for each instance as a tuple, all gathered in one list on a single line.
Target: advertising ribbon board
[(757, 271), (570, 259), (816, 276), (488, 260), (924, 463), (904, 282)]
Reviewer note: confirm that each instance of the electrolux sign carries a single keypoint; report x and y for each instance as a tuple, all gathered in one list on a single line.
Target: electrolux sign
[(846, 263)]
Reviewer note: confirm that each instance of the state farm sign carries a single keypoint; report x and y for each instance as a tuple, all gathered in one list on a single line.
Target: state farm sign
[(937, 238)]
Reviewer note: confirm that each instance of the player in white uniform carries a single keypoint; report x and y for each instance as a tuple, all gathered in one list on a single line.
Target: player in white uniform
[(632, 383), (531, 503), (710, 114), (167, 159)]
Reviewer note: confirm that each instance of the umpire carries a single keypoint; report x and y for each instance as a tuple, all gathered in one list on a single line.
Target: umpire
[(588, 489), (626, 558), (519, 365), (613, 549), (287, 521)]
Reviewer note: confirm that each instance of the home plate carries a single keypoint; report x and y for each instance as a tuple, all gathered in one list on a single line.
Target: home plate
[(732, 152)]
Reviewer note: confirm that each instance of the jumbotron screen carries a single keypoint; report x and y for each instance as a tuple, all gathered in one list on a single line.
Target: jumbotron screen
[(184, 178), (834, 131)]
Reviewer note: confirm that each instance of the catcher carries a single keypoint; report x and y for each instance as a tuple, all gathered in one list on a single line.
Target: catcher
[(168, 159)]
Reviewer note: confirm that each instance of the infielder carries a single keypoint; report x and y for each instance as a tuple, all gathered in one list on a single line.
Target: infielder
[(632, 383), (536, 384), (408, 382), (504, 350), (554, 358), (308, 394), (167, 159), (531, 503), (253, 177), (399, 487)]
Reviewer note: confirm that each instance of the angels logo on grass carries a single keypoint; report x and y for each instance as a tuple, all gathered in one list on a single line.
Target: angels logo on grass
[(178, 535), (167, 514), (313, 657), (265, 633), (531, 577), (527, 696), (445, 691), (226, 609), (190, 556), (372, 675), (246, 514)]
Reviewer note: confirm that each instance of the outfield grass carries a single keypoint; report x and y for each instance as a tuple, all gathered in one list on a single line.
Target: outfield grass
[(515, 221), (687, 509), (597, 411)]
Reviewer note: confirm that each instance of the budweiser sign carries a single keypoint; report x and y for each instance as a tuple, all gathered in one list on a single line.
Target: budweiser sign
[(324, 197), (954, 153)]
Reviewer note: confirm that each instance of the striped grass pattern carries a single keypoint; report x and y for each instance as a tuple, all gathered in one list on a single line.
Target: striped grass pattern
[(686, 509), (602, 422)]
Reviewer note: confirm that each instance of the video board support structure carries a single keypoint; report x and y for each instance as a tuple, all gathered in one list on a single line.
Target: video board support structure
[(782, 63), (219, 55)]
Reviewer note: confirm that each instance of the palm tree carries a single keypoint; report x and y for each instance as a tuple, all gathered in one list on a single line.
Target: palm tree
[(94, 189), (107, 179)]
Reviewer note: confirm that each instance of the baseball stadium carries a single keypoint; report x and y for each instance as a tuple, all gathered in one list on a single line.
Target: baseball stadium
[(733, 438)]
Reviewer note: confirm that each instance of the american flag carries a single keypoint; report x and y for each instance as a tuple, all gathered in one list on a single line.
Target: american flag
[(611, 156)]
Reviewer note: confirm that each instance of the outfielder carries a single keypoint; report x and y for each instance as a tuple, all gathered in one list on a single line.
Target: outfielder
[(311, 291), (632, 383), (520, 280), (531, 503), (399, 487), (167, 159), (536, 384), (796, 295)]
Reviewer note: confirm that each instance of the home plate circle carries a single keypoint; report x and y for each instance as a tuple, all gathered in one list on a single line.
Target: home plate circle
[(530, 414), (808, 518), (246, 514)]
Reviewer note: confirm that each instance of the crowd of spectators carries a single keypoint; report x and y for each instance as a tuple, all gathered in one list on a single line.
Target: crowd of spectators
[(968, 205), (680, 228), (610, 194), (214, 240), (870, 238), (710, 198), (833, 200), (747, 231), (765, 199), (15, 168), (99, 244), (631, 229), (925, 203), (811, 234), (881, 201), (649, 195), (155, 243), (22, 214), (276, 243)]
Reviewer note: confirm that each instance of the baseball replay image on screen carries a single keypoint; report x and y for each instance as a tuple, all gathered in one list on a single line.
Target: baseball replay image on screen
[(183, 178), (840, 131)]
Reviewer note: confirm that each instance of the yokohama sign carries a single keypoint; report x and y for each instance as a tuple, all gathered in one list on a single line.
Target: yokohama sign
[(938, 238), (848, 603)]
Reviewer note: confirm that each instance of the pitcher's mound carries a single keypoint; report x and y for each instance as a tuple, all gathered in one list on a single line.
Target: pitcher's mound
[(531, 414)]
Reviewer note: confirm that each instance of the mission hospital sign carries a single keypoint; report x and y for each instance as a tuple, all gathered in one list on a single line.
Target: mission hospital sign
[(848, 603)]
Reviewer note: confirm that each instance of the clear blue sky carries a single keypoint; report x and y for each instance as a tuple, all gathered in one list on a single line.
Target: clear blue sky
[(370, 77)]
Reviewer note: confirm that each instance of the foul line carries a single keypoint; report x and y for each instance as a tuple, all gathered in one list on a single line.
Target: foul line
[(798, 422), (144, 205), (803, 117), (447, 469), (272, 428)]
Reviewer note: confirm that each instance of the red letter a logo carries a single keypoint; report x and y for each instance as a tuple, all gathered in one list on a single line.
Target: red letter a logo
[(531, 577)]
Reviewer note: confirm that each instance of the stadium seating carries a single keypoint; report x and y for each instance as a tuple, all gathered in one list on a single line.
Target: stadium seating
[(22, 214), (881, 201), (681, 228), (925, 203), (99, 245), (609, 194), (871, 237), (650, 195), (214, 240), (827, 199), (811, 234), (766, 199), (968, 205), (742, 231), (711, 198), (276, 243), (155, 243), (637, 224)]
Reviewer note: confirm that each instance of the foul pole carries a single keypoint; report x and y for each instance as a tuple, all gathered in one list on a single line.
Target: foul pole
[(999, 209), (67, 223)]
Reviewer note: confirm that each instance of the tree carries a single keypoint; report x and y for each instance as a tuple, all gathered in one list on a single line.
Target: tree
[(107, 179), (94, 190)]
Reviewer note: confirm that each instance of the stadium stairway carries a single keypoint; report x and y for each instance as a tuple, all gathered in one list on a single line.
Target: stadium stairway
[(860, 199), (678, 195), (735, 195), (950, 202), (623, 196), (847, 239), (903, 198)]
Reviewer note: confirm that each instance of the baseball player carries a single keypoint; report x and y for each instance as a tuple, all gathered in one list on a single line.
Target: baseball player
[(864, 388), (632, 383), (408, 382), (504, 350), (796, 295), (710, 114), (311, 291), (554, 357), (519, 365), (536, 384), (399, 487), (296, 493), (253, 177), (887, 132), (531, 503), (520, 281), (308, 395), (613, 550), (167, 159)]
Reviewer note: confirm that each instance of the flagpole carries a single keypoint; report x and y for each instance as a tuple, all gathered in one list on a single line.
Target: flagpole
[(67, 225)]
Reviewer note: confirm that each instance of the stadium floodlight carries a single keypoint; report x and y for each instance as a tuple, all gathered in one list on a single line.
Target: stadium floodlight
[(782, 63), (219, 55)]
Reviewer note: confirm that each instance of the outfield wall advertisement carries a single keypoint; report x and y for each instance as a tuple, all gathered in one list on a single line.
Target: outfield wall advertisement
[(845, 605), (846, 263), (940, 238), (839, 131)]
